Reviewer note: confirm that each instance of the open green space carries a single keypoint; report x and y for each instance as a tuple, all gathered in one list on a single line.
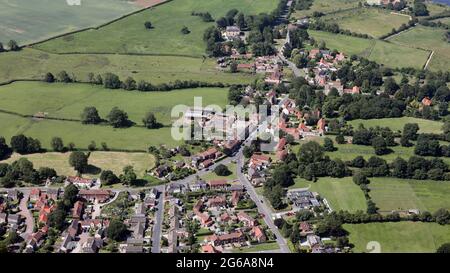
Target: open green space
[(60, 100), (427, 38), (403, 194), (341, 193), (213, 176), (371, 21), (34, 64), (130, 36), (326, 6), (388, 54), (257, 248), (401, 237), (397, 124)]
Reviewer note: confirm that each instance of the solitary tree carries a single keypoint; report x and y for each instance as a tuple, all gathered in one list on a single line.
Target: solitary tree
[(118, 118), (13, 46), (328, 145), (78, 160), (148, 25), (90, 115), (150, 121), (49, 77), (222, 170), (57, 144)]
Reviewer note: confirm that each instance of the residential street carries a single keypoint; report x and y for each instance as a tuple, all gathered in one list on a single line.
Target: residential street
[(25, 212), (159, 217)]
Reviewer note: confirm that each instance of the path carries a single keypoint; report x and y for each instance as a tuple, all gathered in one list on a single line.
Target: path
[(429, 60)]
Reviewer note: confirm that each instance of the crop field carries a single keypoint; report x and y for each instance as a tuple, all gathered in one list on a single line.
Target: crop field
[(429, 39), (114, 161), (327, 6), (388, 54), (33, 64), (130, 36), (401, 237), (374, 22), (397, 124), (403, 194), (41, 19), (68, 100)]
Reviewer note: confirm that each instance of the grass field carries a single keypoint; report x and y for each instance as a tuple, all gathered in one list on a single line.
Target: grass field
[(399, 237), (430, 39), (388, 54), (374, 22), (68, 100), (213, 176), (130, 36), (445, 20), (403, 194), (342, 194), (435, 8), (33, 64), (258, 248), (397, 124), (41, 19), (327, 6), (114, 161)]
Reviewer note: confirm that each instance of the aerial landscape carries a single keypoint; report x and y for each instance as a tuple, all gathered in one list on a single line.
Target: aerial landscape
[(212, 126)]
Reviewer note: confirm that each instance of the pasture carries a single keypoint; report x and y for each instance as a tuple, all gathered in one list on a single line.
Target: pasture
[(371, 21), (130, 36), (327, 6), (399, 237), (42, 19), (33, 64), (397, 124), (114, 161), (427, 38), (403, 194)]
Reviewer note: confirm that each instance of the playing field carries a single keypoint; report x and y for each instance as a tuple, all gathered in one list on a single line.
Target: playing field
[(30, 21), (114, 161), (33, 64), (430, 39), (399, 237), (397, 124), (68, 100), (403, 194), (388, 54), (326, 6), (342, 194), (130, 36), (374, 22)]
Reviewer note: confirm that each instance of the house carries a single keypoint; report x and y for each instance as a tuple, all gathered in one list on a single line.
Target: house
[(246, 219), (53, 193), (91, 245), (153, 193), (235, 197), (305, 228), (217, 184), (313, 240), (44, 213), (426, 101), (12, 195), (209, 249), (232, 145), (321, 126), (259, 161), (258, 234), (94, 224), (274, 78), (81, 183), (206, 164), (68, 244), (134, 249), (218, 201), (14, 219), (77, 211), (95, 195), (232, 32), (354, 90), (162, 170), (234, 237), (198, 186), (35, 240), (35, 193), (334, 84), (74, 228)]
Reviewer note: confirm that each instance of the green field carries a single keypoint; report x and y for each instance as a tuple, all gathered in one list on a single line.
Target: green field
[(388, 54), (327, 6), (374, 22), (409, 237), (130, 36), (33, 64), (41, 19), (397, 124), (68, 100), (342, 194), (114, 161), (430, 39), (403, 194), (257, 248)]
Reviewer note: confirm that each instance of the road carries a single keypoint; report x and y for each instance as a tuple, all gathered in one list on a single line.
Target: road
[(159, 217), (25, 212)]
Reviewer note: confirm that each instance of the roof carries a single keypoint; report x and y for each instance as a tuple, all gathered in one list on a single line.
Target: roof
[(219, 182), (94, 192)]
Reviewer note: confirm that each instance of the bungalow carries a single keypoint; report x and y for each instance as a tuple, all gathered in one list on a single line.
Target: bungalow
[(258, 234), (305, 228), (94, 224), (274, 78), (82, 183), (218, 201), (95, 195), (354, 90), (206, 164), (234, 237), (217, 184), (198, 186), (259, 161), (246, 219), (35, 240), (245, 66)]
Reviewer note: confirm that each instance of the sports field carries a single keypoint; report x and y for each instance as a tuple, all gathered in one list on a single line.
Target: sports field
[(428, 38), (41, 19), (388, 54), (397, 124), (399, 237), (403, 194), (327, 6), (33, 64), (114, 161), (374, 22), (130, 36)]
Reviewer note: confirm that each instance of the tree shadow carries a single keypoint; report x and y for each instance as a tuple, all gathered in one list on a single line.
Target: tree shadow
[(91, 169)]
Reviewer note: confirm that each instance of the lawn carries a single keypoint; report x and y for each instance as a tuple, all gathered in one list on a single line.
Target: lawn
[(33, 64), (30, 21), (114, 161), (403, 194), (401, 237), (326, 6), (68, 100), (341, 193), (397, 124), (130, 36), (371, 21), (388, 54), (258, 248), (430, 39), (213, 176)]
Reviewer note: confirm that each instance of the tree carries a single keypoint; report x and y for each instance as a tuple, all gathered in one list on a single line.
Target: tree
[(70, 195), (118, 118), (13, 46), (360, 179), (148, 25), (442, 216), (78, 160), (57, 144), (185, 30), (129, 176), (371, 207), (282, 175), (111, 81), (23, 145), (129, 84), (46, 173), (108, 178), (222, 170), (57, 219), (400, 168), (90, 115), (4, 149), (150, 121), (92, 146), (64, 77), (117, 230), (328, 145), (379, 144), (444, 248), (340, 139), (49, 78), (310, 152)]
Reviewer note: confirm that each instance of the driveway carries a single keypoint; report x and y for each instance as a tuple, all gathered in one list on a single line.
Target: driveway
[(26, 213)]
